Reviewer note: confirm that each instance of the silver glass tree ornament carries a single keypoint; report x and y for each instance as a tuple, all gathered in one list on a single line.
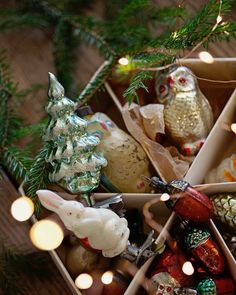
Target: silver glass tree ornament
[(73, 162)]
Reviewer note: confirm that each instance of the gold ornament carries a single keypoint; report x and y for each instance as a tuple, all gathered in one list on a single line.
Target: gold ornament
[(187, 113)]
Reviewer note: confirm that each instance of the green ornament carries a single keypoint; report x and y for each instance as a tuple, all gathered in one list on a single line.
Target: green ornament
[(195, 237), (74, 165), (207, 287), (225, 208)]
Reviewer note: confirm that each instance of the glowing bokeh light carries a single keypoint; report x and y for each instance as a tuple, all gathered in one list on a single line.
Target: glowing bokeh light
[(46, 235), (188, 268), (22, 208), (84, 281), (123, 61), (107, 277), (206, 57)]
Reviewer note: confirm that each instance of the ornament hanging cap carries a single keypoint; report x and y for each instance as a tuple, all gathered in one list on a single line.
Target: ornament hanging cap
[(196, 237), (56, 90), (207, 287)]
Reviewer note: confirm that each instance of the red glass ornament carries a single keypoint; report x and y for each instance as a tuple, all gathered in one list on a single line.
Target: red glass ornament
[(225, 286), (209, 254), (194, 206), (171, 264), (85, 243)]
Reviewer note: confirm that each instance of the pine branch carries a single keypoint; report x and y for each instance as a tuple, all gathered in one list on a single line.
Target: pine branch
[(137, 82), (16, 162), (64, 57), (96, 81), (7, 90), (90, 37), (13, 264), (37, 177), (17, 21)]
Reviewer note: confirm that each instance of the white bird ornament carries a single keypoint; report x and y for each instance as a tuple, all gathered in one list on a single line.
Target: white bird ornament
[(103, 228)]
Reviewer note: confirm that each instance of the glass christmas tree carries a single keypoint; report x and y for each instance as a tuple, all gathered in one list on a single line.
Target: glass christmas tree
[(74, 165)]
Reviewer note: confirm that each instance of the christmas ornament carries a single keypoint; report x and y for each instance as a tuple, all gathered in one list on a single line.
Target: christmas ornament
[(184, 291), (74, 165), (216, 286), (79, 259), (202, 246), (166, 274), (187, 113), (225, 208), (103, 229), (192, 205), (127, 161), (22, 208), (225, 172)]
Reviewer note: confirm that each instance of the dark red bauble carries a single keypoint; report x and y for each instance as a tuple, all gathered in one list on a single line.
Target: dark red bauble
[(194, 206)]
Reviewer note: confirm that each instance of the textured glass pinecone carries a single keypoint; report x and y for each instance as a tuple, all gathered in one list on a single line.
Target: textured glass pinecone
[(225, 208)]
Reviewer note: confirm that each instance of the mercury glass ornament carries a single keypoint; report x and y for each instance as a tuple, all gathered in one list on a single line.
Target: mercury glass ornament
[(73, 163), (187, 113), (202, 246), (225, 208), (127, 161)]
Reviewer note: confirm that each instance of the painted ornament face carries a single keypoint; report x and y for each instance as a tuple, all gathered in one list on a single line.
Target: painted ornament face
[(164, 284)]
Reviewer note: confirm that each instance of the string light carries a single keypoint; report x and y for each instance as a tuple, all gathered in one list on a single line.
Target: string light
[(22, 208), (84, 281), (218, 19), (46, 235), (188, 268), (165, 197), (123, 61), (206, 57), (107, 277), (233, 127)]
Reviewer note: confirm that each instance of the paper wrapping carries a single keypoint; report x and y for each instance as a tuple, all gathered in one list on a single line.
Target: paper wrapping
[(168, 162)]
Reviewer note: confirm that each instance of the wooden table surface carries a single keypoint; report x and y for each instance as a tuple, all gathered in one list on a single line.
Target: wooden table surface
[(30, 54)]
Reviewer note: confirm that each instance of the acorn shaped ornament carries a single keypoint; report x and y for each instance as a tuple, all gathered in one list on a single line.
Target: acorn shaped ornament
[(202, 246), (225, 208), (187, 113), (127, 161)]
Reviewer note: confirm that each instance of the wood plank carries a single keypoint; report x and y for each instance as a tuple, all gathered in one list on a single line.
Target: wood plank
[(16, 234)]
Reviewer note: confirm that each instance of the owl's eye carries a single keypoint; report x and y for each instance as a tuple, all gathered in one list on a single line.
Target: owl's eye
[(163, 90), (182, 80)]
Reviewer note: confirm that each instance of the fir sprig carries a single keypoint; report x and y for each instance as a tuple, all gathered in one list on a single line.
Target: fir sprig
[(37, 177), (13, 264), (64, 55), (137, 82), (16, 161), (96, 81)]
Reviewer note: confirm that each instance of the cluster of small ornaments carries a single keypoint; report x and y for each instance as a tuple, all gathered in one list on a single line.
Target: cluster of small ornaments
[(204, 270)]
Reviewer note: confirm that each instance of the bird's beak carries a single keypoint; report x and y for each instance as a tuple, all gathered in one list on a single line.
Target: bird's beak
[(170, 81)]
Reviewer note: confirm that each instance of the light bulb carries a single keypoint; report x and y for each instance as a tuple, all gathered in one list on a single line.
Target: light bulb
[(233, 127), (187, 268), (107, 277), (46, 235), (84, 281), (165, 197), (123, 61), (22, 208), (218, 19), (206, 57)]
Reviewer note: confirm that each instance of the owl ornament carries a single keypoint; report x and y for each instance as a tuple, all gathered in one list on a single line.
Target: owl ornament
[(187, 113)]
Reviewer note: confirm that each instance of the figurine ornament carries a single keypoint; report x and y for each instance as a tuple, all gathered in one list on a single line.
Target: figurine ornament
[(73, 163), (187, 113), (103, 228)]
